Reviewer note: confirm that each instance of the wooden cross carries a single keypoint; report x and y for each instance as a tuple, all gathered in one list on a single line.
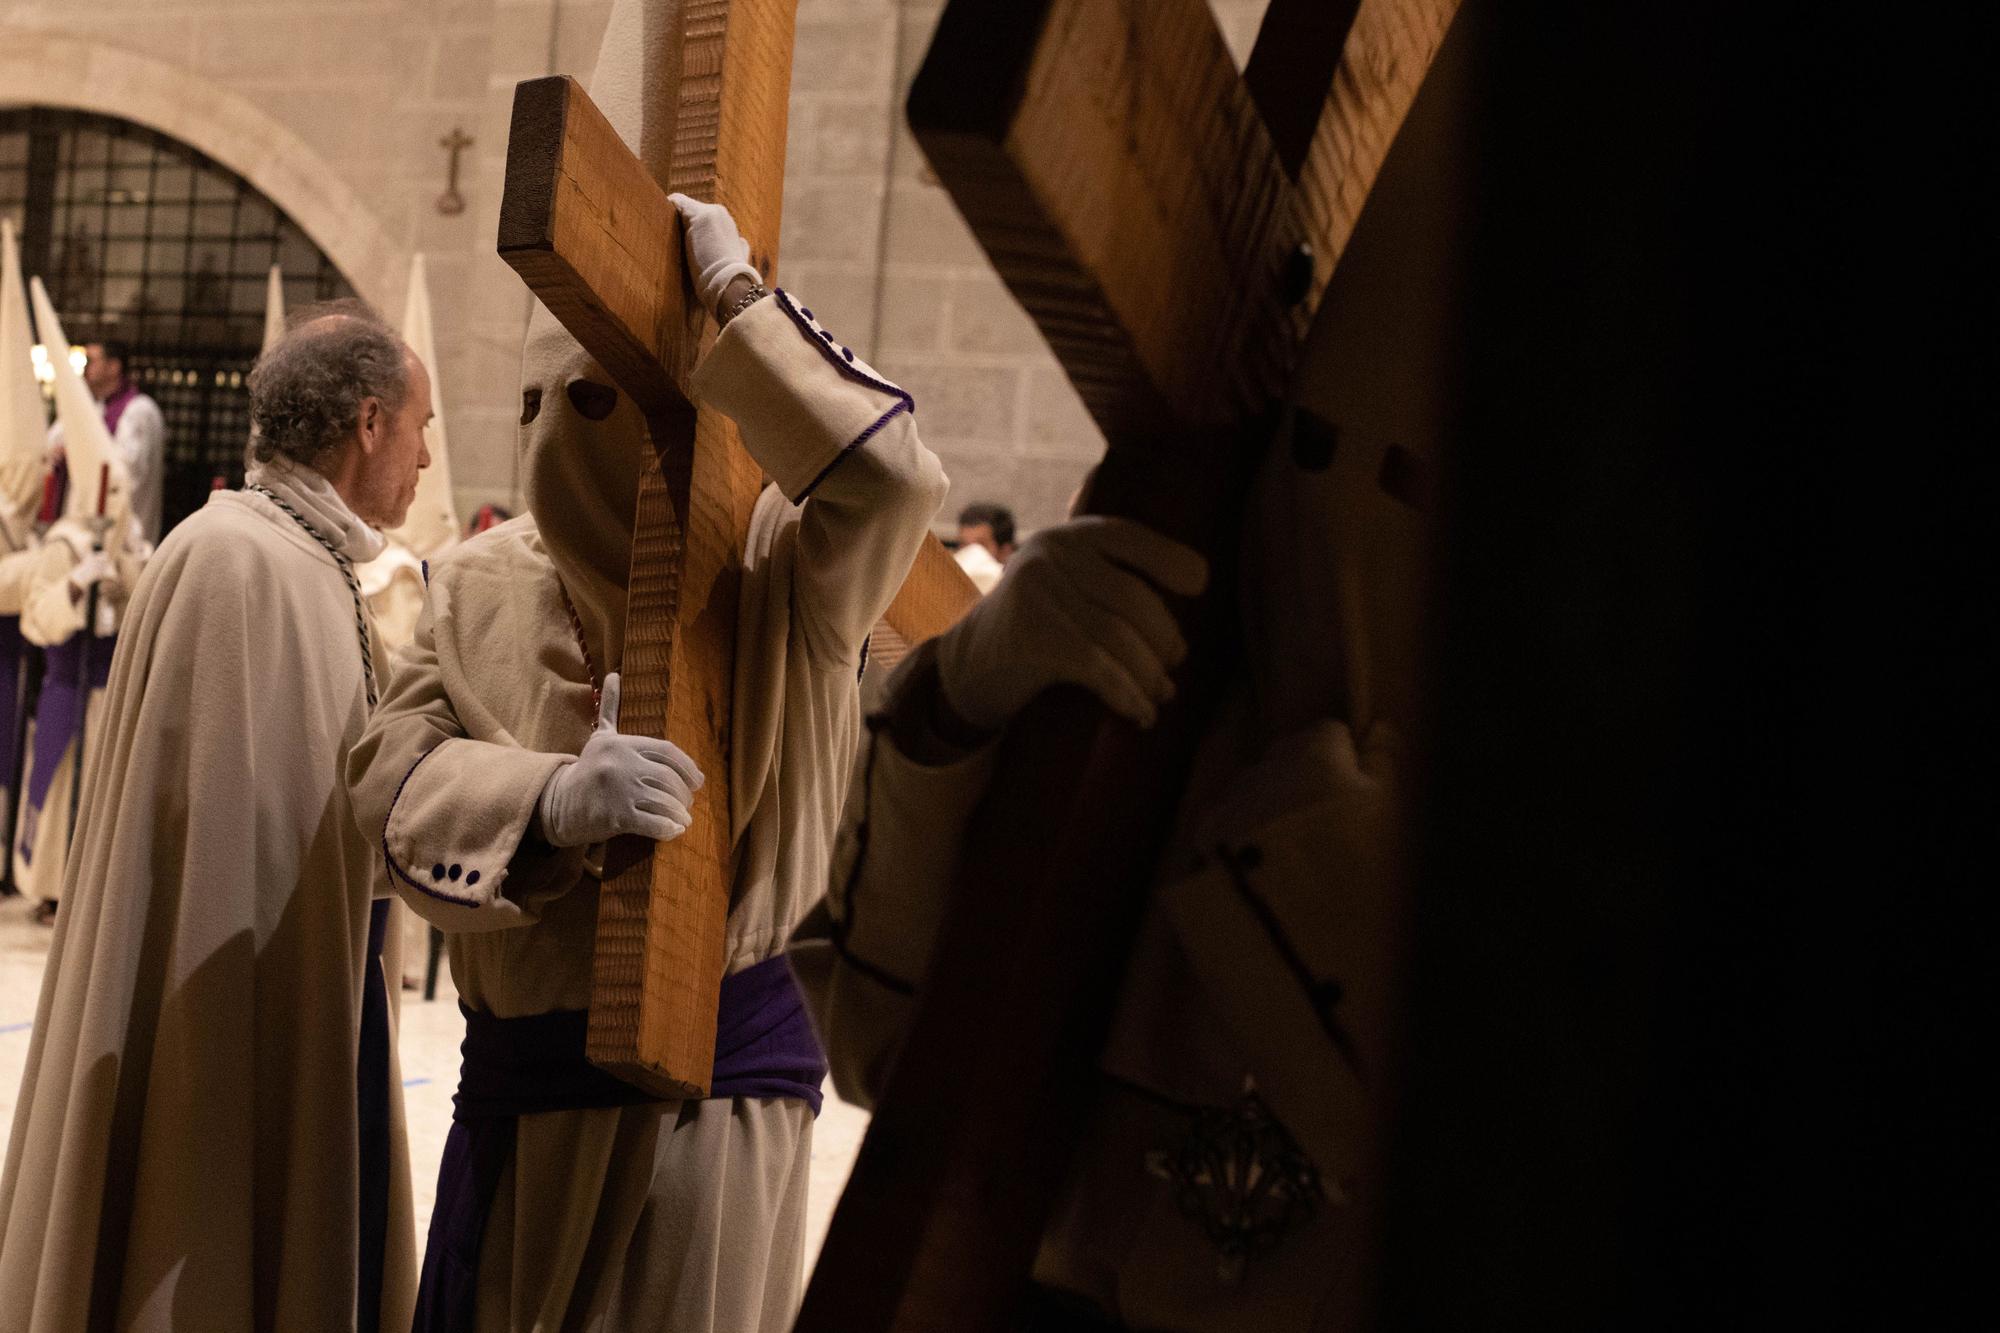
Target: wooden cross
[(589, 228), (1171, 227)]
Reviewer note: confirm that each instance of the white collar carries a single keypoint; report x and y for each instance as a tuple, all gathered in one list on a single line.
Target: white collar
[(309, 492)]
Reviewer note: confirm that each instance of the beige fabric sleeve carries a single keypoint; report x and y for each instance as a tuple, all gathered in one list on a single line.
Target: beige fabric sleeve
[(840, 439), (861, 953), (451, 814), (49, 614), (16, 569)]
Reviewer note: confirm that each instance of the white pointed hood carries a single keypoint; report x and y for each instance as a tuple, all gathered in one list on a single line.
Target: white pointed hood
[(86, 442), (432, 525), (23, 417), (274, 308)]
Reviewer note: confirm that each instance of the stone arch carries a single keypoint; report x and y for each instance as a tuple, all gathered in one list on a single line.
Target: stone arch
[(55, 69)]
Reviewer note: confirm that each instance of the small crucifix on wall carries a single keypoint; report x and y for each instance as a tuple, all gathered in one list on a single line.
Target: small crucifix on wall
[(451, 202)]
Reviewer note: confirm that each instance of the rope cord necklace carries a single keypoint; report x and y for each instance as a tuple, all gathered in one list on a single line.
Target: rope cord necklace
[(347, 571), (589, 665)]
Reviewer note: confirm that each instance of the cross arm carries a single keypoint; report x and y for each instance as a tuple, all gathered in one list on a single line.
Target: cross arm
[(595, 238), (1112, 163)]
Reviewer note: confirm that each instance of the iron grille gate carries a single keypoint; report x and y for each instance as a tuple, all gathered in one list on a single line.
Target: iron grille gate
[(141, 238)]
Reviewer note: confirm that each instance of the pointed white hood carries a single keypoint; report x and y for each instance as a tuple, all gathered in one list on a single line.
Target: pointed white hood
[(92, 458), (23, 417), (274, 308), (432, 525)]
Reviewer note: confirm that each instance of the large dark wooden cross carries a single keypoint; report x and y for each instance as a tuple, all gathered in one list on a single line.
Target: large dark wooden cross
[(1170, 226), (590, 229)]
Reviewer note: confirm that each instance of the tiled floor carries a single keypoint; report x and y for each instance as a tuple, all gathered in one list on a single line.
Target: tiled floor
[(429, 1048)]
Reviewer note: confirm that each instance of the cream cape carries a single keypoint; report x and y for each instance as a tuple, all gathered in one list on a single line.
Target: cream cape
[(668, 1215), (183, 1153)]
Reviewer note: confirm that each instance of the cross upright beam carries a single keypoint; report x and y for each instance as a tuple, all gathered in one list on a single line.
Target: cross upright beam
[(588, 226)]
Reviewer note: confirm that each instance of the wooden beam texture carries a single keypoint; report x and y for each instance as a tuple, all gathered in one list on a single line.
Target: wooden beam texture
[(592, 234), (1123, 184)]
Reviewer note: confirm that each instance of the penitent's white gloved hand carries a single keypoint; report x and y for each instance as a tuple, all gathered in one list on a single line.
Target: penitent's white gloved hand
[(619, 784), (716, 251), (1080, 604), (91, 569)]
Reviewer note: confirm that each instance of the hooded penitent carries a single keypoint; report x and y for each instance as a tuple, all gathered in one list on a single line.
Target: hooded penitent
[(95, 469), (78, 664), (23, 418), (582, 449), (583, 443), (572, 1200), (22, 449)]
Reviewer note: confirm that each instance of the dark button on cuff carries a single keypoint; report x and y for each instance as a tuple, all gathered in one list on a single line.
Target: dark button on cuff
[(471, 878), (807, 313), (847, 352), (454, 873), (437, 872)]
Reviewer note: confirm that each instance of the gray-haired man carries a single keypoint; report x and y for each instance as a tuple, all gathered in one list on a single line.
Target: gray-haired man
[(201, 1141)]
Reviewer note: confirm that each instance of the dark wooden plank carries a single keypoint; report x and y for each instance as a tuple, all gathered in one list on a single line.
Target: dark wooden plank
[(1109, 159)]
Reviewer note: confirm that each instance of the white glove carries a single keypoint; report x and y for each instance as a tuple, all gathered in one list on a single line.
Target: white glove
[(619, 784), (716, 251), (1079, 605), (92, 568)]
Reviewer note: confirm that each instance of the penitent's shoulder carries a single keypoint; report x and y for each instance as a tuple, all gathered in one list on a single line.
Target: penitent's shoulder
[(503, 551)]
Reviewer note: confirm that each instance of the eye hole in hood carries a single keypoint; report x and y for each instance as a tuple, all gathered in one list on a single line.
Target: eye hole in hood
[(531, 405), (592, 400)]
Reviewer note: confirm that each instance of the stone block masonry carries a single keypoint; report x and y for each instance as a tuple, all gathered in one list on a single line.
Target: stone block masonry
[(369, 86)]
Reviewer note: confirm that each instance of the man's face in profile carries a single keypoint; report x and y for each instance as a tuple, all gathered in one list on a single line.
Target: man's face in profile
[(101, 373)]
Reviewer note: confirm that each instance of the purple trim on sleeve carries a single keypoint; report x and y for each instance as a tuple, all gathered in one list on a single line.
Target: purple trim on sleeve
[(396, 871), (822, 341), (895, 410)]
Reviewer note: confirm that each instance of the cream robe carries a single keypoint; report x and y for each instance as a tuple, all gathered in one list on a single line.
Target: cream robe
[(681, 1216), (50, 616), (183, 1153)]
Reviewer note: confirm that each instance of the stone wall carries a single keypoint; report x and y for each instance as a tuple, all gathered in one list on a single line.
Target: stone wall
[(338, 106)]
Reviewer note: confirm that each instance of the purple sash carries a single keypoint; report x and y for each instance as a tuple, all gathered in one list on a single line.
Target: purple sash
[(371, 1083), (115, 405), (58, 717), (764, 1047), (12, 649)]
